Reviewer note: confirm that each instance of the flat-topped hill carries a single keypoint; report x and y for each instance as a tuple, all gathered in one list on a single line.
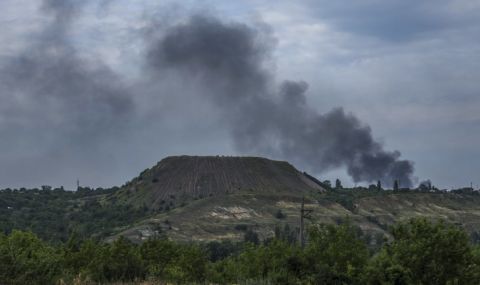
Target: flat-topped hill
[(214, 198), (182, 178)]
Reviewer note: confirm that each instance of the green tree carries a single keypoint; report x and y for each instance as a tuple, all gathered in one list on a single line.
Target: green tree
[(426, 253), (225, 271), (280, 215), (89, 261), (157, 254), (119, 261), (338, 184), (179, 263), (25, 259), (189, 265), (327, 183), (219, 250), (286, 234), (251, 236), (277, 262), (72, 259), (124, 262), (335, 254)]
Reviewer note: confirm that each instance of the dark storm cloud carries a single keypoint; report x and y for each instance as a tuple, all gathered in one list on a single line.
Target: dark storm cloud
[(395, 20), (86, 97), (57, 107), (232, 60)]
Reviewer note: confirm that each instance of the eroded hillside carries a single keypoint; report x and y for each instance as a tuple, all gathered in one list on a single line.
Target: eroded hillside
[(214, 198), (179, 179), (232, 215)]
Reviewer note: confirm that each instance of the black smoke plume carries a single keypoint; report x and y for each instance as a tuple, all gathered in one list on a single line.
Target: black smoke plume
[(62, 115), (232, 60)]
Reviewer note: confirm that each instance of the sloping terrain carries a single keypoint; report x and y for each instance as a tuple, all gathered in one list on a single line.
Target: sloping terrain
[(230, 216), (212, 198), (216, 197), (178, 179)]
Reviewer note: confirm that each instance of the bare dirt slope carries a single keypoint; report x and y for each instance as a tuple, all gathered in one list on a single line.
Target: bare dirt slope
[(217, 197), (227, 217), (177, 179)]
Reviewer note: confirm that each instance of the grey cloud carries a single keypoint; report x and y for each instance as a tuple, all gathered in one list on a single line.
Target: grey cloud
[(396, 20), (61, 109), (57, 104), (51, 75)]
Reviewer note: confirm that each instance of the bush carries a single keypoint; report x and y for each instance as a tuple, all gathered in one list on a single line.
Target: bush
[(278, 263), (421, 252), (25, 259), (241, 227), (335, 254), (251, 237), (425, 252), (179, 263), (280, 215)]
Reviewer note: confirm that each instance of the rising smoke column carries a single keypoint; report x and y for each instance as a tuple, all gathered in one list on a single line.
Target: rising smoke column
[(232, 60), (59, 109)]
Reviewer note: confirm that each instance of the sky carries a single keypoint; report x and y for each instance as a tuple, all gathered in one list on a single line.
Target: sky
[(99, 90)]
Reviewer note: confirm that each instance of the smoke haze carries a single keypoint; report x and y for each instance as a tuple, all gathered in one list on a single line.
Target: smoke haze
[(60, 109)]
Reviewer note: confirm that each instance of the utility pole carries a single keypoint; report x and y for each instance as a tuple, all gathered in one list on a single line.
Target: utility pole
[(78, 183), (304, 214)]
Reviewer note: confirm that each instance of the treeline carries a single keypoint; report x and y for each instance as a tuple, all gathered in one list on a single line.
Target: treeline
[(53, 214), (418, 252)]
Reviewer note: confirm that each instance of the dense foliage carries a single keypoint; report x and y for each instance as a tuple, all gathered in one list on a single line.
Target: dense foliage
[(53, 214), (420, 252)]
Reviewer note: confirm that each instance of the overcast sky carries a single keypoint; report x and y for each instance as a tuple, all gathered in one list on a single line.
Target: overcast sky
[(76, 100)]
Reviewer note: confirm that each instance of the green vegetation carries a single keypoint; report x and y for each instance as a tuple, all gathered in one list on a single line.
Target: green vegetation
[(420, 252), (154, 231), (54, 214), (425, 253), (223, 198)]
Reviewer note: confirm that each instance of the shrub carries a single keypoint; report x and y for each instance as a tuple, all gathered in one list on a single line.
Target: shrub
[(280, 215), (426, 252)]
